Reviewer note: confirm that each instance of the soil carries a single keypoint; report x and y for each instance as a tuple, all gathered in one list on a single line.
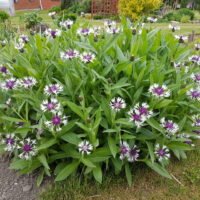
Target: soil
[(14, 186)]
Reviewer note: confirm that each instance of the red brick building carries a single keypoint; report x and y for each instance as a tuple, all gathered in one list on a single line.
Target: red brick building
[(35, 4)]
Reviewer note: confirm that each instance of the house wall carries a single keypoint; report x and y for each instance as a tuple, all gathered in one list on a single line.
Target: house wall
[(35, 4)]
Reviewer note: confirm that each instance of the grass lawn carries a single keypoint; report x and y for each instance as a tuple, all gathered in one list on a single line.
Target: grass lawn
[(147, 185), (186, 28)]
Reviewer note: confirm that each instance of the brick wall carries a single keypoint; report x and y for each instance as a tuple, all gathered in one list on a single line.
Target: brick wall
[(47, 4), (35, 4)]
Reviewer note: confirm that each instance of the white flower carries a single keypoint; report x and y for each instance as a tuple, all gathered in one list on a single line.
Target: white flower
[(117, 104), (113, 30), (52, 33), (109, 24), (196, 77), (152, 19), (10, 142), (194, 94), (51, 14), (159, 91), (57, 121), (85, 31), (19, 46), (133, 154), (124, 150), (69, 54), (27, 82), (51, 105), (85, 147), (162, 152), (10, 84), (53, 89), (181, 38), (67, 24), (174, 27), (87, 57), (27, 149), (170, 127), (196, 120)]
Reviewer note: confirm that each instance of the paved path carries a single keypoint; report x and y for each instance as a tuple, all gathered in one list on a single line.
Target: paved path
[(16, 187)]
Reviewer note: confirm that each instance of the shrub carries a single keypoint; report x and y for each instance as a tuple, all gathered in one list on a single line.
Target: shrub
[(82, 6), (185, 19), (178, 15), (3, 16), (186, 12), (56, 9), (135, 8), (64, 15), (32, 19), (93, 104)]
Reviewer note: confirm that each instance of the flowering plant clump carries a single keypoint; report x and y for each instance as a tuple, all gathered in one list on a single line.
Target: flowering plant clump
[(94, 100)]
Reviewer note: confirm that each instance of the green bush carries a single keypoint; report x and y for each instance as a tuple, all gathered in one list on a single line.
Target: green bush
[(56, 9), (32, 19), (64, 15), (82, 6), (3, 16), (92, 104), (178, 15), (186, 12), (185, 19)]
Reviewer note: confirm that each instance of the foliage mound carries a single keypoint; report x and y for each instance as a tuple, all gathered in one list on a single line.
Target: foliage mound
[(137, 8), (3, 16), (90, 101)]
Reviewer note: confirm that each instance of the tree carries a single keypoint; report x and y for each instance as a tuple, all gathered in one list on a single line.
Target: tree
[(135, 8)]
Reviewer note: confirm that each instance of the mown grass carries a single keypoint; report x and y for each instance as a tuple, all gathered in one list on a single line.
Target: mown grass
[(147, 185), (17, 21)]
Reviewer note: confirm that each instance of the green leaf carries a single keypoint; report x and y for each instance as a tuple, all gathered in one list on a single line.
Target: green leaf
[(154, 124), (76, 109), (87, 162), (151, 151), (128, 174), (158, 168), (97, 173), (43, 160), (67, 171), (72, 138), (112, 146), (40, 178), (179, 146), (163, 103), (47, 144)]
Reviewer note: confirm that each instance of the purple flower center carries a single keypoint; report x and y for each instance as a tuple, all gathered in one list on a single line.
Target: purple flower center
[(3, 70), (84, 148), (27, 148), (133, 152), (28, 81), (197, 76), (10, 84), (53, 34), (88, 57), (56, 120), (123, 150), (136, 117), (195, 94), (161, 152), (70, 53), (118, 105), (10, 141), (143, 111), (188, 142), (85, 31), (53, 89), (50, 106), (169, 125), (158, 90)]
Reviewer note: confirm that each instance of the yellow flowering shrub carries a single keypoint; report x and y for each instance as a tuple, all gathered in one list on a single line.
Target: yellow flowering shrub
[(135, 8)]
